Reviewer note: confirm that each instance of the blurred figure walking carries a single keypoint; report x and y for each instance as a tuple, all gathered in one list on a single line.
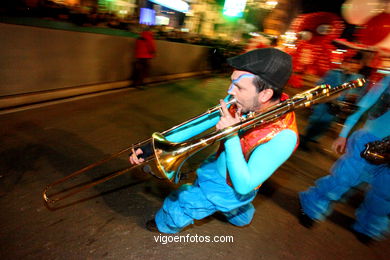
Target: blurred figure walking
[(145, 50), (372, 217), (326, 113)]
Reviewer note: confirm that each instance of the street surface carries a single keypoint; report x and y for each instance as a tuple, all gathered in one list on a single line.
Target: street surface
[(41, 145)]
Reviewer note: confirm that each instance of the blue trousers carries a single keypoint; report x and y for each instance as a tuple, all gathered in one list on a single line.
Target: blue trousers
[(319, 123), (372, 217), (209, 193)]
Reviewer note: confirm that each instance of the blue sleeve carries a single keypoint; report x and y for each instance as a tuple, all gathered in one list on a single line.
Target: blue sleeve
[(194, 127), (328, 78), (264, 160), (364, 104)]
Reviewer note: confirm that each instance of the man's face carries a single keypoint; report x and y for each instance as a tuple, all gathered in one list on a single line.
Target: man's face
[(244, 91)]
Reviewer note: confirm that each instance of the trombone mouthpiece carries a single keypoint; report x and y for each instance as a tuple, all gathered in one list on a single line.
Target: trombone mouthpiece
[(231, 101), (218, 107)]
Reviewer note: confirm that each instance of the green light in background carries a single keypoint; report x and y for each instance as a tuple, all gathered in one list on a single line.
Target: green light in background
[(234, 8), (105, 3)]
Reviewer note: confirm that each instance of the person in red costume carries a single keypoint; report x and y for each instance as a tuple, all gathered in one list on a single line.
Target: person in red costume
[(313, 52), (145, 50)]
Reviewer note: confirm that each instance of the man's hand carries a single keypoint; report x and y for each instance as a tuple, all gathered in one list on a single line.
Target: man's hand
[(226, 118), (339, 145), (133, 158)]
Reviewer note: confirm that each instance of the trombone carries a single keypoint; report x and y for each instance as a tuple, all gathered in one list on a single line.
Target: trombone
[(168, 157), (148, 161)]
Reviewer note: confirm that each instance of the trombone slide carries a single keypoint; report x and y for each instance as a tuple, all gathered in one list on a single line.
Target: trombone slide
[(168, 157)]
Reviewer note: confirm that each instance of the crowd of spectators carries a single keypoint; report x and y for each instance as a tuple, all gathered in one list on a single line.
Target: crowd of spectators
[(46, 9), (93, 17)]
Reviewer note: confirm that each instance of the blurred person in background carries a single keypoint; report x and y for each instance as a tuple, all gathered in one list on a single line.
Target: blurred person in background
[(325, 114), (145, 51), (372, 217)]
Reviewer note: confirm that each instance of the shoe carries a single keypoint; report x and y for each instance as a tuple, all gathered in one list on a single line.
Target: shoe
[(363, 238), (304, 219), (137, 86), (151, 226)]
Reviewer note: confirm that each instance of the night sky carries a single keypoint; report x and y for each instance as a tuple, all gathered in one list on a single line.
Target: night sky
[(310, 6)]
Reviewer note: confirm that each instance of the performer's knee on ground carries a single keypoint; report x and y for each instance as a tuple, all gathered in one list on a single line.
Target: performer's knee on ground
[(241, 216)]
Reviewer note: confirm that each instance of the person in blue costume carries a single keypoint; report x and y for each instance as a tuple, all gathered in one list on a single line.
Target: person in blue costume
[(372, 217), (322, 117), (228, 181)]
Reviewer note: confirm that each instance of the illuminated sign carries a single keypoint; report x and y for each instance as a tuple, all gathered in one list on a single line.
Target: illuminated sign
[(234, 8), (147, 16), (162, 20), (177, 5)]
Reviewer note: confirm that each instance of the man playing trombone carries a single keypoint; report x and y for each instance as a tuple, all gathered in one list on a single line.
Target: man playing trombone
[(228, 181)]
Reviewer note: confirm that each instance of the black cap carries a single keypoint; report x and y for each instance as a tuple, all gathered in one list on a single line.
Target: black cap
[(272, 65)]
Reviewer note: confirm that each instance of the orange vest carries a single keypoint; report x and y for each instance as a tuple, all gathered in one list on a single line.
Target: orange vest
[(262, 134)]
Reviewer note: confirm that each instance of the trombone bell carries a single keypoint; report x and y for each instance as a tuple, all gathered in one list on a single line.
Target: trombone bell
[(169, 157)]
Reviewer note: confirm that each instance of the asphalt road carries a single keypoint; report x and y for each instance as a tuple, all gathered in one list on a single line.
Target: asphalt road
[(43, 144)]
